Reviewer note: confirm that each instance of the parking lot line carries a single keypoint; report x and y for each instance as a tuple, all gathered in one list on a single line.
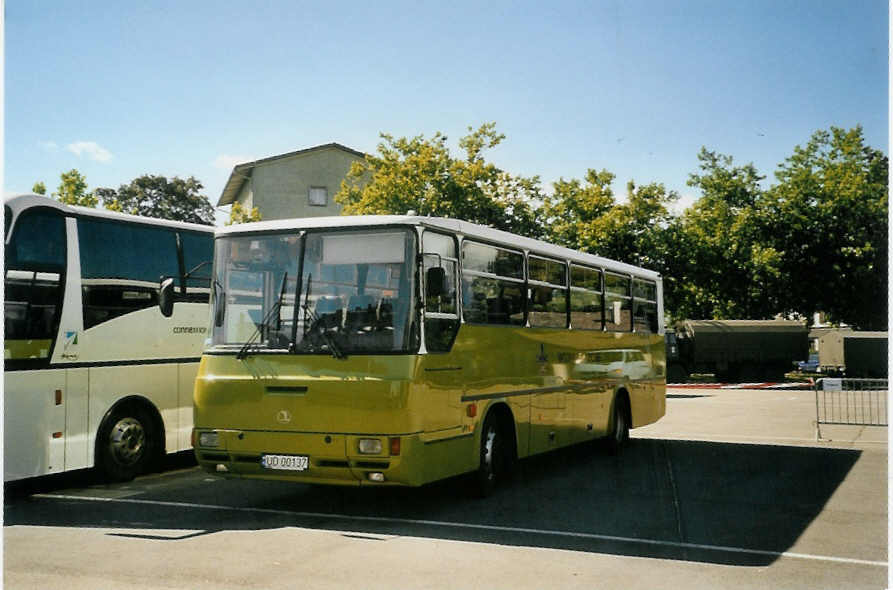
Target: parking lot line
[(459, 525)]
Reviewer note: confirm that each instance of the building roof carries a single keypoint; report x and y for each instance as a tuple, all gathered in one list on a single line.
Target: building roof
[(242, 172)]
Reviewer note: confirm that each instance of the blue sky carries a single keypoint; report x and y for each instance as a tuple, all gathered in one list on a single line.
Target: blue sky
[(120, 89)]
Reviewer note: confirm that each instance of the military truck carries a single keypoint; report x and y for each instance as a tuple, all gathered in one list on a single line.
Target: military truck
[(853, 354), (735, 350)]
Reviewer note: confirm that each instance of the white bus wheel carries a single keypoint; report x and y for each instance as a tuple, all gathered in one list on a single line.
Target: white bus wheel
[(125, 443)]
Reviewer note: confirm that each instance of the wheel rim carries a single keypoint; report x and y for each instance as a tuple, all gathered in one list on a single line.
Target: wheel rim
[(127, 442), (487, 455)]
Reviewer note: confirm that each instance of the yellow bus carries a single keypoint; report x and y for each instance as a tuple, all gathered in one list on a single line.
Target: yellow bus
[(400, 350)]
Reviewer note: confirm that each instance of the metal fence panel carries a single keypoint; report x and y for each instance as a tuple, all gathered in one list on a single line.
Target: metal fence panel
[(855, 402)]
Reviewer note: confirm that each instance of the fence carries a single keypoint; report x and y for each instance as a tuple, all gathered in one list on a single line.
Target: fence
[(856, 402)]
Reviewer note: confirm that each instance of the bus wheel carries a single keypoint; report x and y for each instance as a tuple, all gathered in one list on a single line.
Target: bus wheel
[(619, 434), (124, 444), (493, 453)]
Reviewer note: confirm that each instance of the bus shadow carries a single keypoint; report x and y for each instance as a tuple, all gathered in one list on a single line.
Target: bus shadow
[(85, 478), (724, 503)]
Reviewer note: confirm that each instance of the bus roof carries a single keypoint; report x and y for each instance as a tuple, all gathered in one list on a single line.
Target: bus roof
[(19, 203), (471, 230)]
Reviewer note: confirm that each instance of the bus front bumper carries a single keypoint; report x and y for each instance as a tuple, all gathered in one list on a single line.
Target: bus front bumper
[(320, 458)]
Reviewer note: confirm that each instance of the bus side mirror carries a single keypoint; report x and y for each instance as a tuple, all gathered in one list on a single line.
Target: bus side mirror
[(219, 308), (435, 282), (166, 297)]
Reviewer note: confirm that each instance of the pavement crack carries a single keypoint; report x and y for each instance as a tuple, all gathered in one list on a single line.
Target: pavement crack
[(676, 506)]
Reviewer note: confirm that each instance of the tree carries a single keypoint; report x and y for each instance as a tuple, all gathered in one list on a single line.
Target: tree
[(574, 206), (419, 174), (585, 216), (724, 268), (815, 241), (39, 188), (73, 190), (156, 196), (827, 220), (239, 214)]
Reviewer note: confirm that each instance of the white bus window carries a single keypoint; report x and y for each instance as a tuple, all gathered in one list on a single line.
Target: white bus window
[(35, 265), (39, 241), (121, 266), (198, 253)]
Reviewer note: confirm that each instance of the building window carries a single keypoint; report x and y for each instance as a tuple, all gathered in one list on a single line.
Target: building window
[(319, 196)]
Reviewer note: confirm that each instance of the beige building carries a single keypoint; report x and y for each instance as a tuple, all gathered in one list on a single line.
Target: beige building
[(296, 184)]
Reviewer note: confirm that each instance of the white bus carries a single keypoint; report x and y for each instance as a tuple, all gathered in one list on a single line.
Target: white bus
[(94, 373)]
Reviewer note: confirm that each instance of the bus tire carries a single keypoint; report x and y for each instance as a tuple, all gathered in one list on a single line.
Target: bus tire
[(125, 443), (493, 453), (618, 434)]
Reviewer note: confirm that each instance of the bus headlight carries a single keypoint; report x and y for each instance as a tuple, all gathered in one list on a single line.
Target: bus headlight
[(208, 439), (370, 446)]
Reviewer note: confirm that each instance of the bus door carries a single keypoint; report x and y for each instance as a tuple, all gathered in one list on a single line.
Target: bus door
[(443, 370), (34, 414)]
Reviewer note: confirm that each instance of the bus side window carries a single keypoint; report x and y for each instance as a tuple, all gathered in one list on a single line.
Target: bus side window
[(198, 252), (586, 298), (121, 265), (618, 308), (35, 267), (645, 306), (441, 311), (547, 281), (493, 285)]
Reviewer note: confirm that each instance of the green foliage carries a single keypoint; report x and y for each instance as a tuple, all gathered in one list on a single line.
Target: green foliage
[(585, 216), (724, 270), (815, 241), (826, 219), (156, 196), (240, 214), (574, 206), (39, 188), (421, 175), (73, 190)]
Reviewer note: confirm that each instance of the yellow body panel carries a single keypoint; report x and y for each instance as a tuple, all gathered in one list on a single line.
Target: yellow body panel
[(558, 384)]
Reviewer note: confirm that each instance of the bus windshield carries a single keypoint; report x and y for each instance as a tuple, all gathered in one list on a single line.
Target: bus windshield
[(316, 292)]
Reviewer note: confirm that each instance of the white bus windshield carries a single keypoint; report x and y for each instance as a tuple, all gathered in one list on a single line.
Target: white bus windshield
[(328, 292)]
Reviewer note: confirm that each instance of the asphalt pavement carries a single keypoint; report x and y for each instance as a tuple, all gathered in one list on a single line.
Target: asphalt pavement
[(730, 489)]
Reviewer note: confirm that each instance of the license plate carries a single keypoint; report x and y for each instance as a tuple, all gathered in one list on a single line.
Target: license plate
[(285, 462)]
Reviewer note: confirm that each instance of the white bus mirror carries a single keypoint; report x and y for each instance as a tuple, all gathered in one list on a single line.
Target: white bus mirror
[(166, 297)]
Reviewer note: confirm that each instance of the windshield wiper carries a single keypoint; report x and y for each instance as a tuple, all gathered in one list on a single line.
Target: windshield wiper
[(219, 296), (315, 325), (258, 331)]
